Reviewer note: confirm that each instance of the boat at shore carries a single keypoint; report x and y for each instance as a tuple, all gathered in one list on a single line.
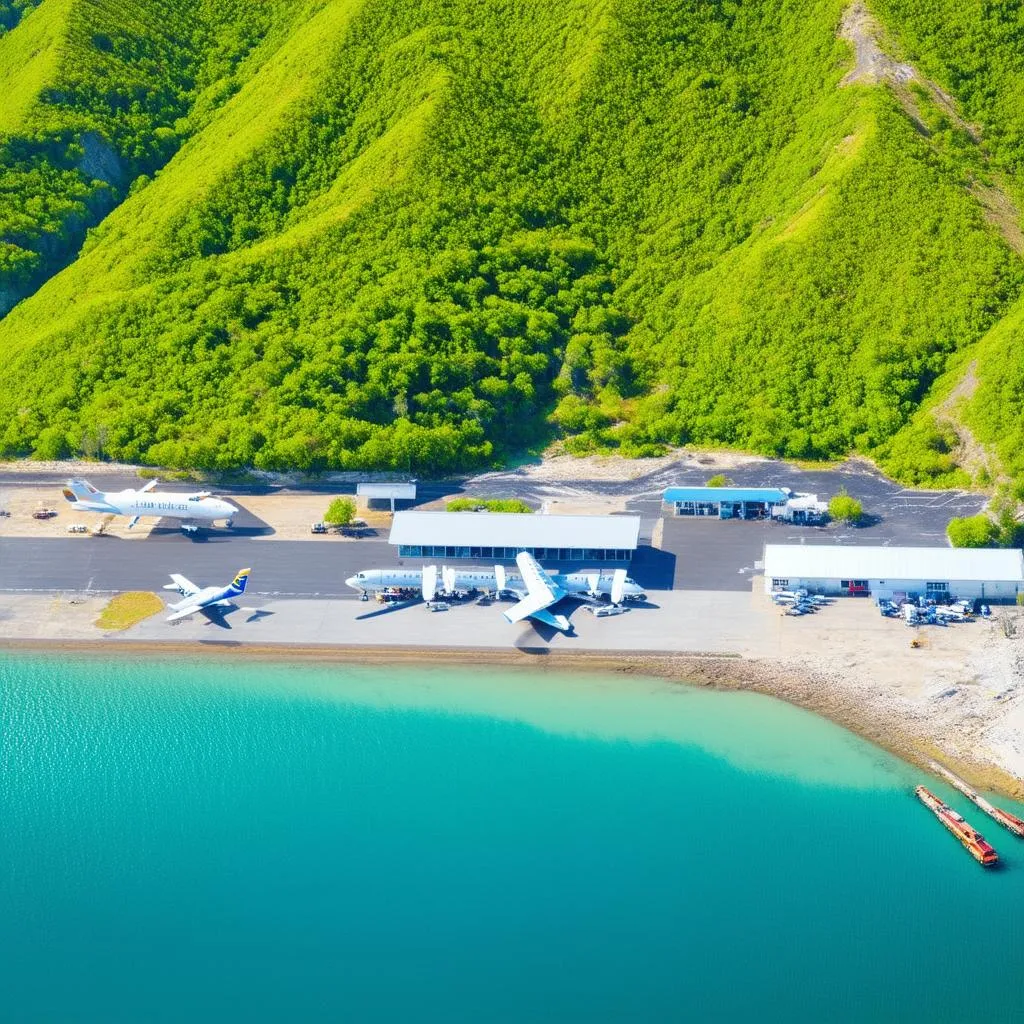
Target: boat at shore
[(970, 838), (1009, 821)]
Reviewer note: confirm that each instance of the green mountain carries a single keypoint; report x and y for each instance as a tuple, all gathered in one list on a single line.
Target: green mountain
[(423, 234)]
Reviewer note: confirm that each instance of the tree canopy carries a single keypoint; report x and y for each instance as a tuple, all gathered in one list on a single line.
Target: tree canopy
[(422, 235)]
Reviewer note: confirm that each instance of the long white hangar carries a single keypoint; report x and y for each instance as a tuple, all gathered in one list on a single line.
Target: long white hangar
[(500, 536), (995, 574)]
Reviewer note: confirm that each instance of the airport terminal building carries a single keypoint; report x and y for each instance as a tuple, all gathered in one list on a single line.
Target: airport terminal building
[(499, 536), (894, 573)]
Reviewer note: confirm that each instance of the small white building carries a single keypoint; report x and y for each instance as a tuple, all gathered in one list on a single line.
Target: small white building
[(801, 508), (992, 574), (386, 492)]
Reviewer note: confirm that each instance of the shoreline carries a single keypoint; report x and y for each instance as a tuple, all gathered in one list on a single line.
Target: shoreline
[(776, 678)]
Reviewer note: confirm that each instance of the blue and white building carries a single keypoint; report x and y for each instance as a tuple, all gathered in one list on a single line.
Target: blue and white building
[(745, 503)]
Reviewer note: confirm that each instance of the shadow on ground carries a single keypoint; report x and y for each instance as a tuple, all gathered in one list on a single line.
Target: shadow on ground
[(653, 568)]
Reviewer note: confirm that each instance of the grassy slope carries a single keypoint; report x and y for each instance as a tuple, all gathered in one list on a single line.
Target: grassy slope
[(398, 238), (28, 61)]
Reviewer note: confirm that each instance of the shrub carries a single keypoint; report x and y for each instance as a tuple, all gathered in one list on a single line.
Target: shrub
[(972, 532), (340, 512), (491, 504), (719, 480), (845, 509)]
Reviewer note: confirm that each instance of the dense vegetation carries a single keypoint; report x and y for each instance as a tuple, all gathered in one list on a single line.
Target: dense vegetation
[(423, 234)]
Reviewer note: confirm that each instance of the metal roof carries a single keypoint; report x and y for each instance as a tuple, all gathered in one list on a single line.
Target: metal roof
[(834, 561), (404, 491), (772, 495), (514, 530)]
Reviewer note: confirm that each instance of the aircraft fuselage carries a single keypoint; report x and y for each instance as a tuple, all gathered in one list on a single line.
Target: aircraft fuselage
[(373, 581)]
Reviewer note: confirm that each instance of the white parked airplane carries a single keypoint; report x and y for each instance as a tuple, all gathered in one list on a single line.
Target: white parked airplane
[(197, 505), (430, 584), (204, 599)]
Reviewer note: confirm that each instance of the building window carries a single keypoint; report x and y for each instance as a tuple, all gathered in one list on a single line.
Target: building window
[(779, 584), (937, 588)]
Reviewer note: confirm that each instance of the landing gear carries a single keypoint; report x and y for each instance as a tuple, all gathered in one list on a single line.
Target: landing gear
[(364, 596), (228, 523)]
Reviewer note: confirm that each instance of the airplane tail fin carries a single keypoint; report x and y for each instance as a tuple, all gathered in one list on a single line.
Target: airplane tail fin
[(618, 586), (428, 582), (80, 490), (239, 582)]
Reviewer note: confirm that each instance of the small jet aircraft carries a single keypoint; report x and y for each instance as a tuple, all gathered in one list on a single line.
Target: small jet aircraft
[(204, 599), (534, 588), (199, 505)]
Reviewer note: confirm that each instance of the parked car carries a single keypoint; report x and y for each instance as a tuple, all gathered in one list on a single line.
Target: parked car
[(601, 610), (78, 528), (44, 513), (318, 528)]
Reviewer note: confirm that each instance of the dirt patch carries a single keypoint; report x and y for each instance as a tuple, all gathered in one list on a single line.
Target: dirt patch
[(1001, 212), (872, 65), (22, 502), (969, 452)]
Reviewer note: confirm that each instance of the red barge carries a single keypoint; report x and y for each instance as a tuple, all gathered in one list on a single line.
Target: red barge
[(970, 838)]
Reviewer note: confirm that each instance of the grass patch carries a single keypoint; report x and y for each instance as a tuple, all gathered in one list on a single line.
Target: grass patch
[(126, 610), (489, 504)]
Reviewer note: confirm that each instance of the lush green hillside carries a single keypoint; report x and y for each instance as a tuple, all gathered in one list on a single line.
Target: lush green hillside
[(421, 234)]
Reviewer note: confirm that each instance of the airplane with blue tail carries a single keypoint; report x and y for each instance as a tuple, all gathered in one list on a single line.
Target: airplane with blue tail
[(207, 600)]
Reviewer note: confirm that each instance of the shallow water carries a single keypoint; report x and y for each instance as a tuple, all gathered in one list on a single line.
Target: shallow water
[(210, 840)]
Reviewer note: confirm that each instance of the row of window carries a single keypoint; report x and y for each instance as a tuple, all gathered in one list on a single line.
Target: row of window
[(504, 554), (934, 587)]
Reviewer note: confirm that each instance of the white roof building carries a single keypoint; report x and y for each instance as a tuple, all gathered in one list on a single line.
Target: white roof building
[(485, 534), (884, 571), (387, 492)]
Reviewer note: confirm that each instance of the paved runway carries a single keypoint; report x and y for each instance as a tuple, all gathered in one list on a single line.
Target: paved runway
[(284, 568)]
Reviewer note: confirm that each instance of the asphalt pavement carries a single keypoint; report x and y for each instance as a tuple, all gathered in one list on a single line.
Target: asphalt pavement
[(313, 568), (703, 554)]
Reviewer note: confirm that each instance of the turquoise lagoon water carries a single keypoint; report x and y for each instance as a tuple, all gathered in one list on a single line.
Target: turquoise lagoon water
[(219, 840)]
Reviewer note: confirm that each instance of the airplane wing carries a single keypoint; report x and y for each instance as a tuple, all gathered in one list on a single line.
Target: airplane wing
[(531, 605), (185, 612), (541, 593), (186, 586), (550, 619), (147, 487), (535, 578)]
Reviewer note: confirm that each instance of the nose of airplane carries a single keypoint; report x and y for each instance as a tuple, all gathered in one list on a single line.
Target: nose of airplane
[(353, 582)]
